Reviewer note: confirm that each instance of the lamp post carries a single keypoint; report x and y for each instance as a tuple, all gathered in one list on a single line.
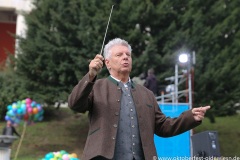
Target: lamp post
[(186, 58), (176, 84), (190, 60)]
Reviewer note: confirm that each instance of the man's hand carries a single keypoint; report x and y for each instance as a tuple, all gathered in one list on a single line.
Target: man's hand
[(95, 66), (198, 113)]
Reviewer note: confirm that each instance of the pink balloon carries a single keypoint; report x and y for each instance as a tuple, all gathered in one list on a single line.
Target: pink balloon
[(28, 101), (29, 110)]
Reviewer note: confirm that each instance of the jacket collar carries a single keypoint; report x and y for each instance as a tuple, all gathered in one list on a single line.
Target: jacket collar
[(117, 83)]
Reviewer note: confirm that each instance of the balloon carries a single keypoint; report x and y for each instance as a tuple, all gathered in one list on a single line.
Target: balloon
[(19, 111), (9, 107), (60, 155), (10, 113), (34, 110), (49, 155), (28, 105), (27, 110), (14, 105), (7, 118), (39, 107), (33, 103), (74, 155), (28, 101), (14, 110), (65, 157), (25, 117), (63, 152)]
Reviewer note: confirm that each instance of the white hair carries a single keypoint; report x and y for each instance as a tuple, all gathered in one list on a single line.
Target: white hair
[(114, 42)]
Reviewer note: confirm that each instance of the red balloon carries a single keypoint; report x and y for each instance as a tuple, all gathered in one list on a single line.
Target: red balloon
[(25, 117)]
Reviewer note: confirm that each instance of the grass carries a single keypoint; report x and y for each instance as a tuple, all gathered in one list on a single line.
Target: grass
[(65, 130), (228, 134)]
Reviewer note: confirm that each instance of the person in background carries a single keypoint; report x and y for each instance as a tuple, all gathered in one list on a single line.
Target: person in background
[(151, 82), (140, 79), (123, 116), (10, 130)]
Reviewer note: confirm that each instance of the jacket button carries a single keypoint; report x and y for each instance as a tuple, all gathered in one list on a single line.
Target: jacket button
[(115, 125), (116, 113)]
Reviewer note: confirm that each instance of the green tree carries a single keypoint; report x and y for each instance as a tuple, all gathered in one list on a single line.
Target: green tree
[(59, 42), (12, 90), (63, 36), (217, 30)]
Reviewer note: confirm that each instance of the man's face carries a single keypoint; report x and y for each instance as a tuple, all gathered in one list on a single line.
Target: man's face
[(120, 61), (9, 123)]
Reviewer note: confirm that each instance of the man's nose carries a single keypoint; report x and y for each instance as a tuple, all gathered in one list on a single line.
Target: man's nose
[(125, 56)]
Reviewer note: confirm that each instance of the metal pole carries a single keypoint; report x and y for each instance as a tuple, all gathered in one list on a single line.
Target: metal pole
[(190, 83), (162, 97), (190, 93), (176, 84)]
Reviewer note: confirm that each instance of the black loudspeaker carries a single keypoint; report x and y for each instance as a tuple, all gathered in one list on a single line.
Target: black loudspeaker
[(205, 144)]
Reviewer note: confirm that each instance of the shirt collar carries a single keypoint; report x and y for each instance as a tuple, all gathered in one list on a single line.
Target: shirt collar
[(116, 81)]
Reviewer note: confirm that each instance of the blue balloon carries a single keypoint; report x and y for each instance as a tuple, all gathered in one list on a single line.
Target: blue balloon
[(14, 110), (48, 156), (10, 113), (9, 107), (19, 111), (7, 118)]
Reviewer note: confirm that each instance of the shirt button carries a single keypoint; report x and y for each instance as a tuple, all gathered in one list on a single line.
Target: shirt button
[(133, 126), (131, 110), (133, 144), (115, 125), (133, 152), (131, 117), (128, 95), (133, 135)]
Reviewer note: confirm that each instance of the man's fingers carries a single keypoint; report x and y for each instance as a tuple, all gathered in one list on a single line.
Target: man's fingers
[(200, 110), (100, 57), (200, 117), (206, 108)]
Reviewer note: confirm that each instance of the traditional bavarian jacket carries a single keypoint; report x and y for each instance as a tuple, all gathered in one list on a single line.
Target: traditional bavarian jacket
[(102, 99)]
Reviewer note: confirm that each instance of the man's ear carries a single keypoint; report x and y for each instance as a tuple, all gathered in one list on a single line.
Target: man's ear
[(107, 63)]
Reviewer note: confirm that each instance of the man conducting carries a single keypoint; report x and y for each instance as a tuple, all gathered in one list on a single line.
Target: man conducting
[(123, 116)]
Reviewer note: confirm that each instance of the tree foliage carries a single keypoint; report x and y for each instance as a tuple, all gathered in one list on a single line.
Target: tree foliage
[(63, 36), (12, 90)]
